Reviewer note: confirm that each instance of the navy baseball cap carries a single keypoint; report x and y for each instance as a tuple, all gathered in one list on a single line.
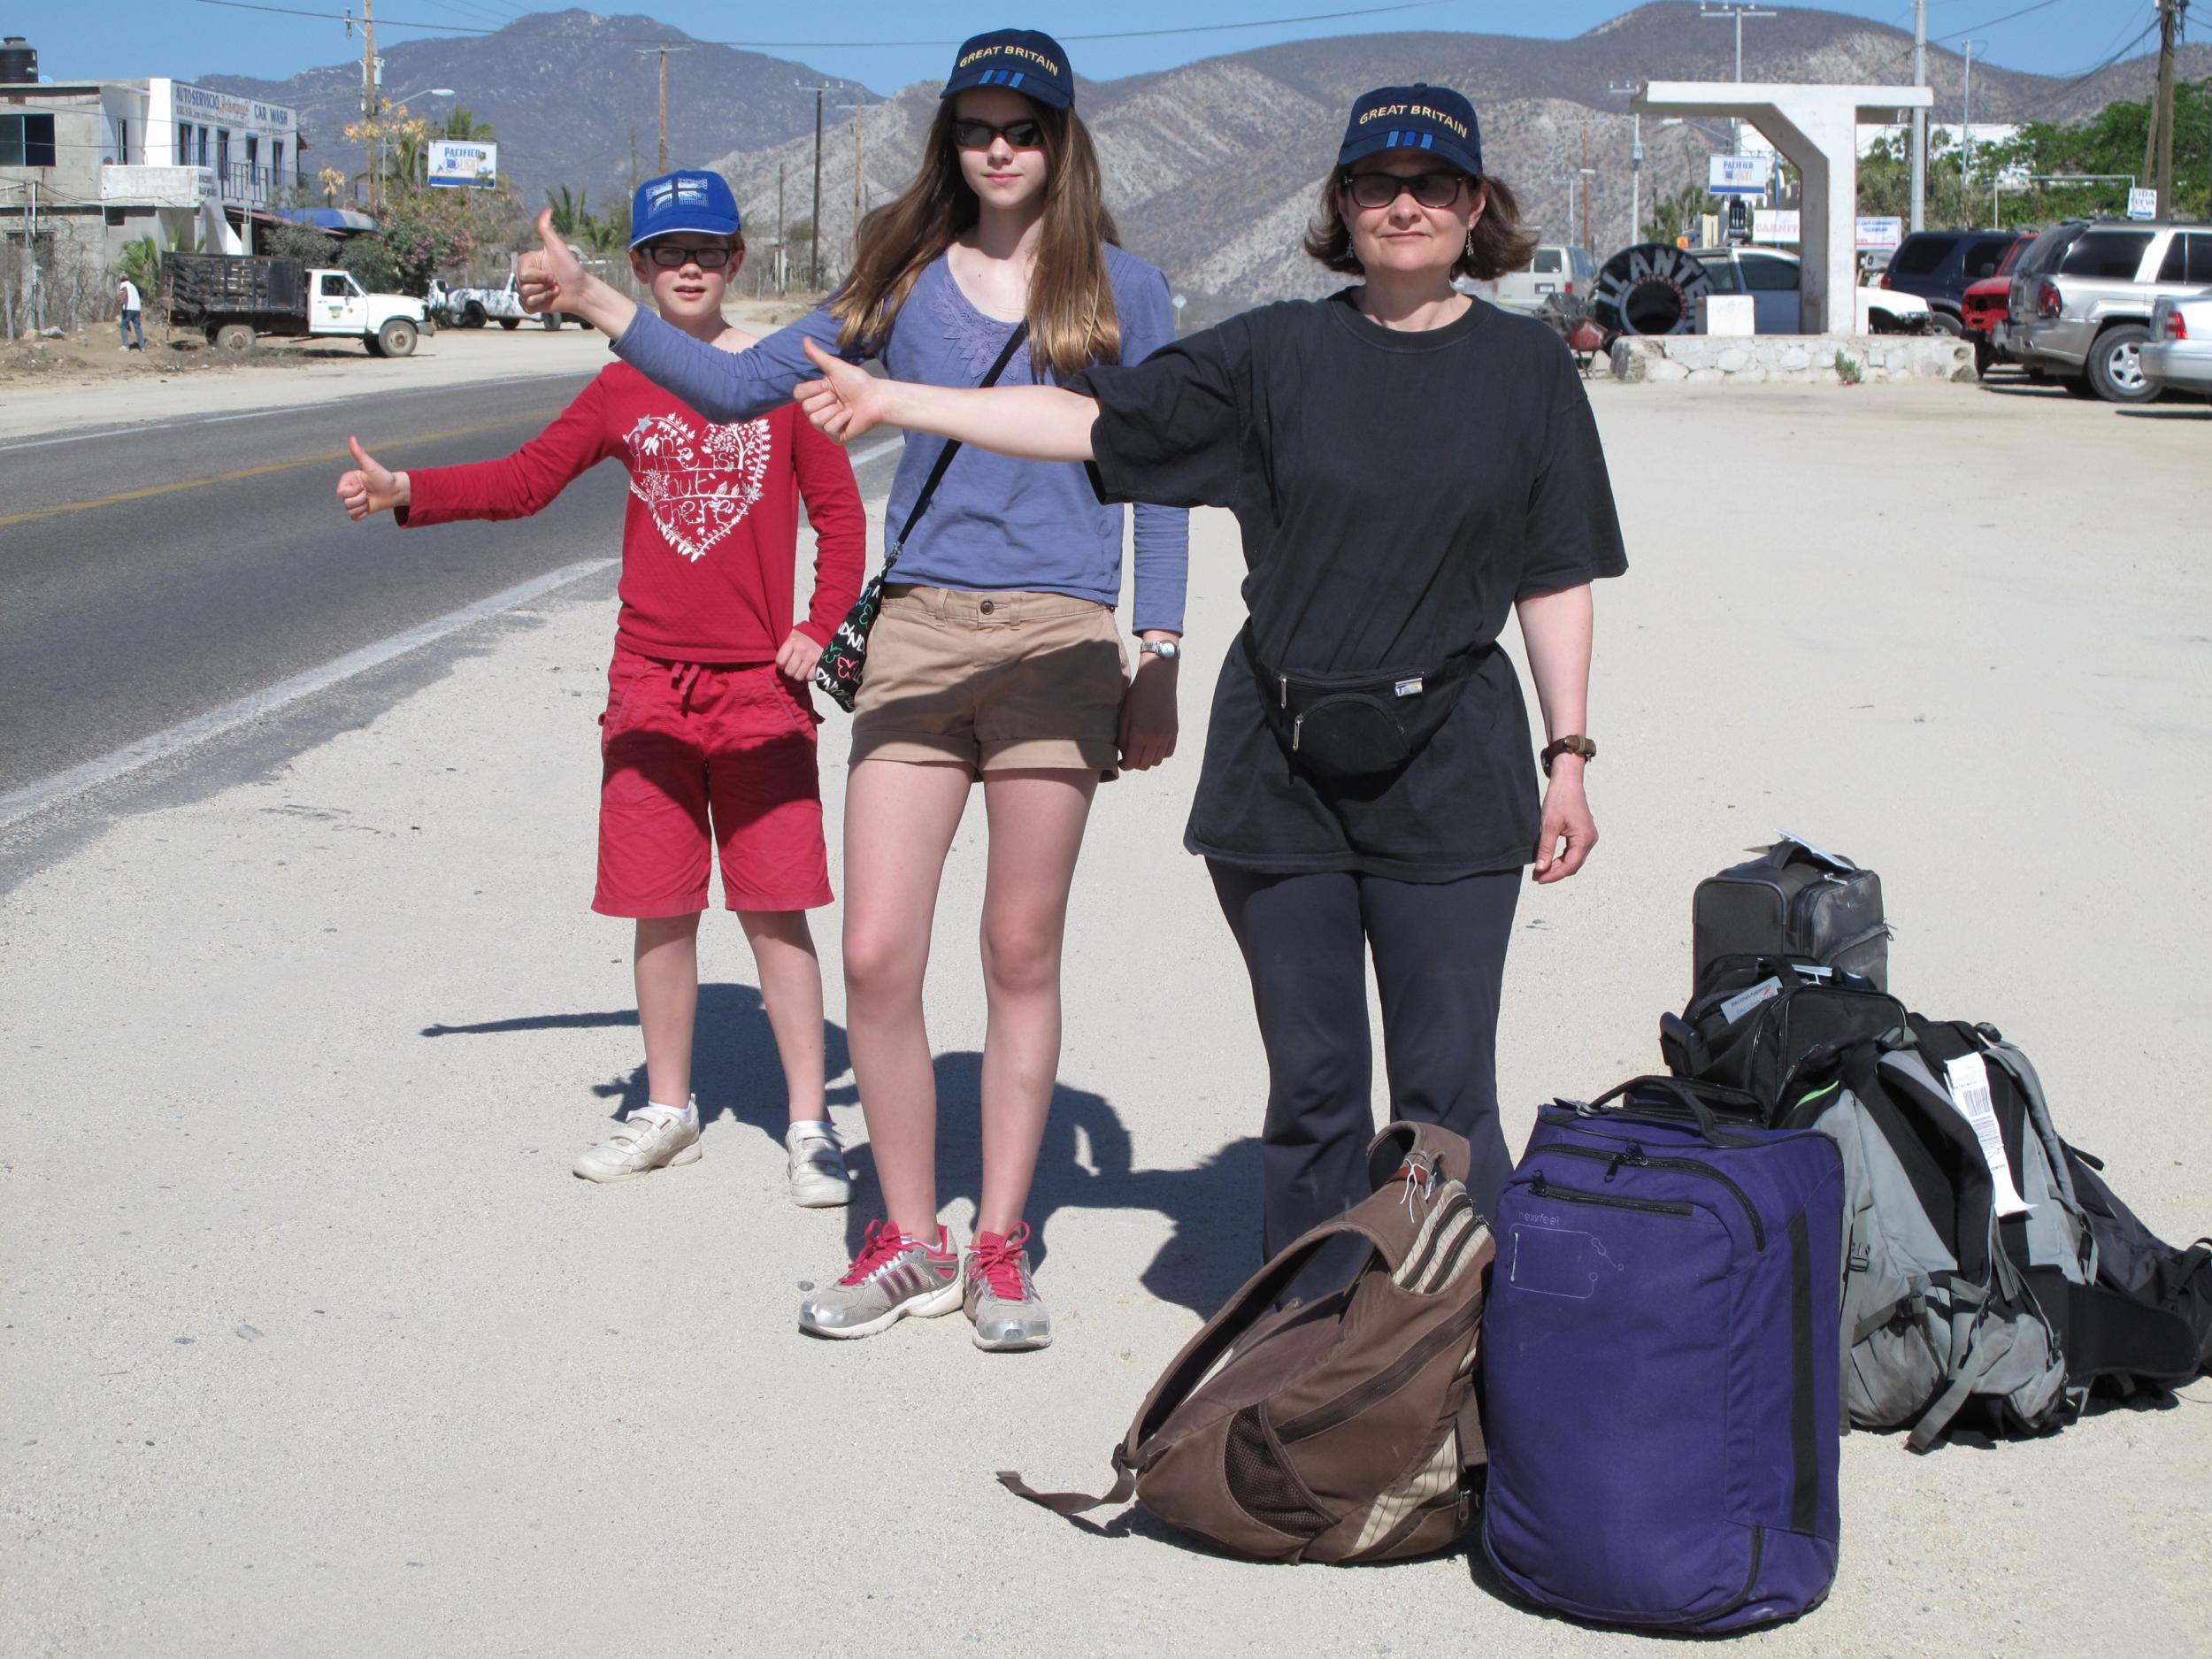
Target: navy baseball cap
[(1020, 60), (1433, 118), (698, 202)]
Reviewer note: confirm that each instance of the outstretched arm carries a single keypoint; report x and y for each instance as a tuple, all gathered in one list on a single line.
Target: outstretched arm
[(554, 278), (1030, 423)]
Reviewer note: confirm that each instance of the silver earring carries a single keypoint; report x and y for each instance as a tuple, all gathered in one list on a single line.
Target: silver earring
[(1471, 241)]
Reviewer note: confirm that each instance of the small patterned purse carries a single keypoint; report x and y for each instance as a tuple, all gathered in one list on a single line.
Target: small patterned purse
[(846, 658)]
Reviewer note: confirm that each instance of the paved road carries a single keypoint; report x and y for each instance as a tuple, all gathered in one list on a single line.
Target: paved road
[(148, 577)]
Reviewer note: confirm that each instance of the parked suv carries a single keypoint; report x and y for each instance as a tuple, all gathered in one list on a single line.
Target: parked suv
[(1939, 266), (2080, 306)]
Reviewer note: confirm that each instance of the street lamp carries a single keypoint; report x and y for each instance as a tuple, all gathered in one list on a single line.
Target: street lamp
[(433, 92)]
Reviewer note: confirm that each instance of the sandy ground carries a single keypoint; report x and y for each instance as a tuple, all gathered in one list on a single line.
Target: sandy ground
[(86, 379), (312, 1345)]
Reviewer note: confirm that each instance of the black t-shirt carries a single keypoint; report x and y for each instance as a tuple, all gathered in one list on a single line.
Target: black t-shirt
[(1397, 493)]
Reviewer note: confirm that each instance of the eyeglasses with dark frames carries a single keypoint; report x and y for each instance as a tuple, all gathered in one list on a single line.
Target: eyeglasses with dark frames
[(1022, 135), (1380, 189), (672, 257)]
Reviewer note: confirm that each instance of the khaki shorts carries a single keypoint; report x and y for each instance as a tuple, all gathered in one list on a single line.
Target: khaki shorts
[(993, 680)]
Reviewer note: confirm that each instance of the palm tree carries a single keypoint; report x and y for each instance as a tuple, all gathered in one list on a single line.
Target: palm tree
[(466, 128), (570, 215)]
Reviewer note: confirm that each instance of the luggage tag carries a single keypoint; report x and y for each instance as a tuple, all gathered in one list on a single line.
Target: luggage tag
[(1737, 1006), (1832, 860), (1967, 1078)]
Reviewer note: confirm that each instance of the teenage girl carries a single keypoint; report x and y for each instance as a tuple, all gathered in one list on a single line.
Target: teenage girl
[(1408, 466), (995, 657)]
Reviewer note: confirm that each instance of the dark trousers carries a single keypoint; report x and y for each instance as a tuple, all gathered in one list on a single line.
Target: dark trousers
[(1440, 958)]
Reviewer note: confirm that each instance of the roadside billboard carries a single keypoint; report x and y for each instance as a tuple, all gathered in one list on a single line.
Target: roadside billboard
[(455, 164), (1739, 175)]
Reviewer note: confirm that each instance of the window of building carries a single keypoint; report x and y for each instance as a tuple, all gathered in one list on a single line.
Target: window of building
[(184, 144), (122, 141), (276, 162), (202, 147), (222, 155), (27, 141)]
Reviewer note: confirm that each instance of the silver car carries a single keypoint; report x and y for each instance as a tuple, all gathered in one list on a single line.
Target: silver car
[(2080, 307), (2178, 353)]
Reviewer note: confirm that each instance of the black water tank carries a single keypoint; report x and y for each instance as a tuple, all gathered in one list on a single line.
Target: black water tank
[(19, 60)]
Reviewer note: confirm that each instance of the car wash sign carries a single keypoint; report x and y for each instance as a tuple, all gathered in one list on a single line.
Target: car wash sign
[(1739, 175), (456, 165)]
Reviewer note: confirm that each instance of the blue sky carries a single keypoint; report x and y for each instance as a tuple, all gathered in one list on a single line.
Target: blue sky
[(186, 38)]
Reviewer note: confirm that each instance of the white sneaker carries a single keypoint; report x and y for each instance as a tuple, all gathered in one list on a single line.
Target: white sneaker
[(651, 1138), (820, 1179)]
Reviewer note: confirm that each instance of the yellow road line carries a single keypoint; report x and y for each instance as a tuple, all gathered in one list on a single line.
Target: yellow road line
[(274, 466)]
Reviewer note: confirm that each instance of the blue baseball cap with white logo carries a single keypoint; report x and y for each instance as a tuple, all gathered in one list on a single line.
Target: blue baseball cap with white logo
[(1020, 60), (675, 202), (1421, 118)]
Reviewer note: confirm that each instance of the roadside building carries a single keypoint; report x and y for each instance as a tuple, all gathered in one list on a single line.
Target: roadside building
[(88, 167)]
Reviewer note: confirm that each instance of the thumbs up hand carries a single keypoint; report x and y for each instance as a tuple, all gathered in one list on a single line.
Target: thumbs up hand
[(370, 486)]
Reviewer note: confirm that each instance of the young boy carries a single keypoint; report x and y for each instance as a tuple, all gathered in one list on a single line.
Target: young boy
[(708, 717)]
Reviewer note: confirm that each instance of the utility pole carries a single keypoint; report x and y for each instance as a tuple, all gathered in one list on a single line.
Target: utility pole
[(662, 51), (1588, 173), (857, 207), (1735, 13), (634, 161), (1966, 129), (814, 252), (369, 113), (783, 271), (1919, 116), (2169, 16), (1635, 164)]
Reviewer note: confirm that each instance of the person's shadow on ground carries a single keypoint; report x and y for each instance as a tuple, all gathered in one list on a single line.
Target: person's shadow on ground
[(1086, 1161)]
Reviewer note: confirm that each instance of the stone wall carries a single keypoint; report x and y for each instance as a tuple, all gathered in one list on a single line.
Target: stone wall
[(1800, 359)]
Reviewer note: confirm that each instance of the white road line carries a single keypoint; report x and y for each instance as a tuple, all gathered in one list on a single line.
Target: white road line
[(874, 450), (50, 791), (282, 409)]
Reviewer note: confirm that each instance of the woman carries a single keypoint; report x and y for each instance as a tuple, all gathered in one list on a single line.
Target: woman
[(1406, 465), (995, 656)]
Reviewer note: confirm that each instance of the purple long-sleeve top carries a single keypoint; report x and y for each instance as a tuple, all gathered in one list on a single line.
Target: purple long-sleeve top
[(995, 522)]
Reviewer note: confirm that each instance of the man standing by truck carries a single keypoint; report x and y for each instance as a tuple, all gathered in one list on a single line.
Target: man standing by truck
[(129, 325)]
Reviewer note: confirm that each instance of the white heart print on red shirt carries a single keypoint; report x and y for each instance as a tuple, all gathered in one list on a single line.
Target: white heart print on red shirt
[(699, 485)]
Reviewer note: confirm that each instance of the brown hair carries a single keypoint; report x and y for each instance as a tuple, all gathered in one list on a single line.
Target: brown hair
[(1496, 246), (1073, 323)]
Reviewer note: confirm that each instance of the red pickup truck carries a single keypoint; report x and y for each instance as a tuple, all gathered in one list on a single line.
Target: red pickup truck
[(1982, 307)]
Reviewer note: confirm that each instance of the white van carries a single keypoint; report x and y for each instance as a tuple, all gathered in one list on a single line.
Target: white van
[(1557, 268)]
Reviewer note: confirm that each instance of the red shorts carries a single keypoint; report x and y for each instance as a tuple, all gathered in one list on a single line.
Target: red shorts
[(697, 756)]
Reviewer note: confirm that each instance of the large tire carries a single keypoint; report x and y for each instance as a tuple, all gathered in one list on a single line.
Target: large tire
[(1652, 288), (396, 338), (237, 338), (474, 317), (2116, 366), (551, 320), (510, 323)]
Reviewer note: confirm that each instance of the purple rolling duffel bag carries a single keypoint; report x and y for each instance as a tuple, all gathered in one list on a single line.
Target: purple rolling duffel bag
[(1662, 1364)]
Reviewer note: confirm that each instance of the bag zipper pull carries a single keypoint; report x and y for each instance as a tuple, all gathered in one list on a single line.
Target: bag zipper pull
[(1634, 1157), (1282, 691), (1536, 1187), (1297, 731)]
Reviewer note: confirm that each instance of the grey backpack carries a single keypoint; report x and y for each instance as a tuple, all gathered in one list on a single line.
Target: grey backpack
[(1956, 1300)]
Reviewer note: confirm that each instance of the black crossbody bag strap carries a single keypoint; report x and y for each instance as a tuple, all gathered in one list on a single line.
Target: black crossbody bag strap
[(952, 448)]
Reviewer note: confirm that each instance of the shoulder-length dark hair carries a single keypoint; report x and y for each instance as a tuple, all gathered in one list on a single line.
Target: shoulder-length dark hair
[(1072, 322), (1496, 247)]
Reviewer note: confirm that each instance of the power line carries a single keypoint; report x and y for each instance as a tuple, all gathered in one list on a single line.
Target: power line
[(1976, 29), (1117, 35)]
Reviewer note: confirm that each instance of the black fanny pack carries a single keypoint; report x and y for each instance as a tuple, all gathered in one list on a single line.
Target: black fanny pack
[(1350, 727)]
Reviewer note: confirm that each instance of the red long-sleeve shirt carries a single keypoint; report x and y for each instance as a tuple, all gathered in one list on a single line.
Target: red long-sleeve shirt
[(711, 539)]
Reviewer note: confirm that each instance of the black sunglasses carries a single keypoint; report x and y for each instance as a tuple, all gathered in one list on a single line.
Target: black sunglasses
[(1380, 189), (671, 257), (1023, 135)]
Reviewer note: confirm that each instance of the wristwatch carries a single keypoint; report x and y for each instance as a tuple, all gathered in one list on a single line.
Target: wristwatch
[(1575, 745), (1167, 650)]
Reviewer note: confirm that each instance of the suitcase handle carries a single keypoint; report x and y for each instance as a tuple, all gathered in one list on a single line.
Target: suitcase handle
[(1708, 1121)]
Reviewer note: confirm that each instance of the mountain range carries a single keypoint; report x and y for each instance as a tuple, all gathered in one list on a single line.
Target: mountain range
[(1211, 167)]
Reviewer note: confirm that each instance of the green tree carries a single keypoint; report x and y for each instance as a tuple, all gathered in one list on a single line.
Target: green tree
[(140, 262), (298, 241), (425, 232), (371, 262), (1677, 216), (570, 212), (466, 128)]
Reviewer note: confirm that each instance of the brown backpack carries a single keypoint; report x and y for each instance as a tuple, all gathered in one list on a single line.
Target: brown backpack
[(1339, 1430)]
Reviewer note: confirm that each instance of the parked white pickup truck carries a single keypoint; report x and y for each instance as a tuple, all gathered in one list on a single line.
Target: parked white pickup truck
[(473, 308), (234, 297)]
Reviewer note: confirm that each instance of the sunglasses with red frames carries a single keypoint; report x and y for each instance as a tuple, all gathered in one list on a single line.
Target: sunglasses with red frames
[(1023, 135), (1380, 189)]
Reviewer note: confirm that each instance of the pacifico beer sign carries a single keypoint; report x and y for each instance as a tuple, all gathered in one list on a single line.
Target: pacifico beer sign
[(455, 164)]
